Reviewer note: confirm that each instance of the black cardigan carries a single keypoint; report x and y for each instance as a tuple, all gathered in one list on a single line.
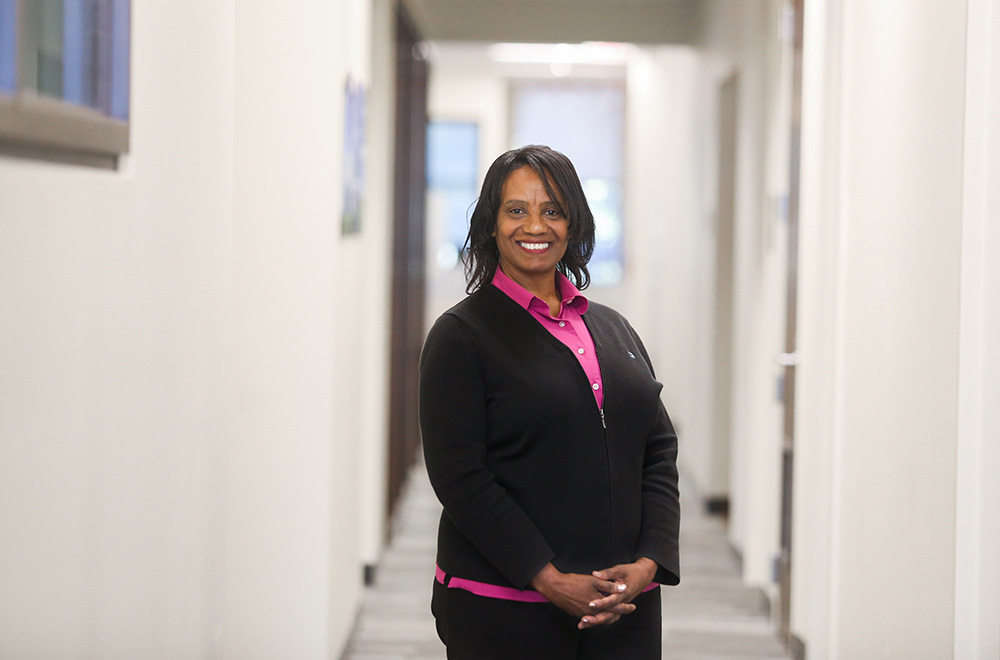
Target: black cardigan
[(520, 457)]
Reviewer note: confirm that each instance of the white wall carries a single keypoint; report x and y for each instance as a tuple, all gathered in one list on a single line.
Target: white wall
[(192, 358), (293, 555), (114, 367), (977, 573), (373, 257), (881, 264), (817, 465), (669, 248), (745, 39)]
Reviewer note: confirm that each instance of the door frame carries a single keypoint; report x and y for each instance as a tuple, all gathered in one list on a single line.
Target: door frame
[(407, 296)]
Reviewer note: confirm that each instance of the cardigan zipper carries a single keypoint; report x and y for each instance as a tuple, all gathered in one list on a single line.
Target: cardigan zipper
[(607, 449)]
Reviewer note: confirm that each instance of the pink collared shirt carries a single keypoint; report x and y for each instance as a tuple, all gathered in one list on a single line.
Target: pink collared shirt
[(568, 326)]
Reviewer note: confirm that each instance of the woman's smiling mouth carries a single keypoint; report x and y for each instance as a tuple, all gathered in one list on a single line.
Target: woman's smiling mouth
[(534, 247)]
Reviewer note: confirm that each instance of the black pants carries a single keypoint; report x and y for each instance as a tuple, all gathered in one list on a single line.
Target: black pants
[(478, 628)]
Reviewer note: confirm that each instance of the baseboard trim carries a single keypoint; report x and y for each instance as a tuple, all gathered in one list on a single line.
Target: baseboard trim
[(717, 505), (796, 647)]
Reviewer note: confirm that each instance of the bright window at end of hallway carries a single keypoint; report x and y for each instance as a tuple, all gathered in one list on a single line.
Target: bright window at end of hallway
[(584, 119), (64, 79), (452, 186)]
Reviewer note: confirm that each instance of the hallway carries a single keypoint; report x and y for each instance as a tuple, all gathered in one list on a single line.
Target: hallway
[(710, 616), (213, 299)]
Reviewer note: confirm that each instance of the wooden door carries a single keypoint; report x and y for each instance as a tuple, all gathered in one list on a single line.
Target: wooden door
[(407, 305)]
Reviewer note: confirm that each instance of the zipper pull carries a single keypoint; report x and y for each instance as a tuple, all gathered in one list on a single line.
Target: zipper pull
[(602, 419)]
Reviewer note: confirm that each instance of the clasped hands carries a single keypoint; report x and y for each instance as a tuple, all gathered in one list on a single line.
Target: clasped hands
[(600, 598)]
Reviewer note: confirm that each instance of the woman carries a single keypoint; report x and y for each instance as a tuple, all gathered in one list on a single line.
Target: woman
[(545, 440)]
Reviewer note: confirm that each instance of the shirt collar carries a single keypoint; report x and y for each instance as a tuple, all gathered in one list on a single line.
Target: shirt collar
[(571, 296)]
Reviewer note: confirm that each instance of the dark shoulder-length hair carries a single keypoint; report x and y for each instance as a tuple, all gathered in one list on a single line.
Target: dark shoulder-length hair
[(481, 255)]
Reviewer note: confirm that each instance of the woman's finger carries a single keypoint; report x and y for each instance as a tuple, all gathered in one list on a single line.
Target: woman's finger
[(623, 608), (608, 588), (607, 602), (602, 619), (616, 608), (611, 574)]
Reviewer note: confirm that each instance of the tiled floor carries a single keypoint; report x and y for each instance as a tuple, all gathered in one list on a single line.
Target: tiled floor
[(710, 616)]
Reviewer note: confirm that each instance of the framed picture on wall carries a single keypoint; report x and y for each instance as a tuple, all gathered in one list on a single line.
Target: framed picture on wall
[(353, 168)]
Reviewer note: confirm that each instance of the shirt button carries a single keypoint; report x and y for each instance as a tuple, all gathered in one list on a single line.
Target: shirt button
[(562, 324), (580, 351), (597, 386)]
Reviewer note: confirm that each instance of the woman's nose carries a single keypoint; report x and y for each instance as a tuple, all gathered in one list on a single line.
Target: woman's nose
[(534, 224)]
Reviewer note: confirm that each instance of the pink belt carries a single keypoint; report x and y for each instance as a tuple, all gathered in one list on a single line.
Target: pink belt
[(494, 591)]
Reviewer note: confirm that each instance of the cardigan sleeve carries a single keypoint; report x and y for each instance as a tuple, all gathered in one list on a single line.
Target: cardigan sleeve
[(453, 424), (661, 513)]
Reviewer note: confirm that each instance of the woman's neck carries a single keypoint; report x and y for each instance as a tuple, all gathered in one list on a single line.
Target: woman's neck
[(543, 286)]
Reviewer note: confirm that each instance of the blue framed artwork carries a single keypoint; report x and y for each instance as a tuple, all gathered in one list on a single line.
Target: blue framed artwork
[(354, 166)]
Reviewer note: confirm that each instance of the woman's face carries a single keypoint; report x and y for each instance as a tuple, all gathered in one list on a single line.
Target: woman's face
[(531, 231)]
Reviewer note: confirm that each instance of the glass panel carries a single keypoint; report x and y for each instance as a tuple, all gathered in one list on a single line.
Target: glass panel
[(452, 177), (80, 46), (76, 50), (42, 32), (585, 121), (120, 57), (8, 45)]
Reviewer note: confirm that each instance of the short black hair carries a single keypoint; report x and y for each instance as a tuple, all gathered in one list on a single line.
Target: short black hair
[(481, 254)]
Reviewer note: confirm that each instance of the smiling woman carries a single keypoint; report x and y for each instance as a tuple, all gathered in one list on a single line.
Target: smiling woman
[(545, 440)]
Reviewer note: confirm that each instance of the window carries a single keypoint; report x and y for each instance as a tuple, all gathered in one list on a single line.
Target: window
[(64, 79), (452, 160), (8, 46)]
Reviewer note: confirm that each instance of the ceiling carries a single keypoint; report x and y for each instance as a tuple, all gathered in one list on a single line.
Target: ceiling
[(558, 21)]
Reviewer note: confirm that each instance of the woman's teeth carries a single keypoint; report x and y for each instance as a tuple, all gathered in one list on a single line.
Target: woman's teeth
[(535, 246)]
